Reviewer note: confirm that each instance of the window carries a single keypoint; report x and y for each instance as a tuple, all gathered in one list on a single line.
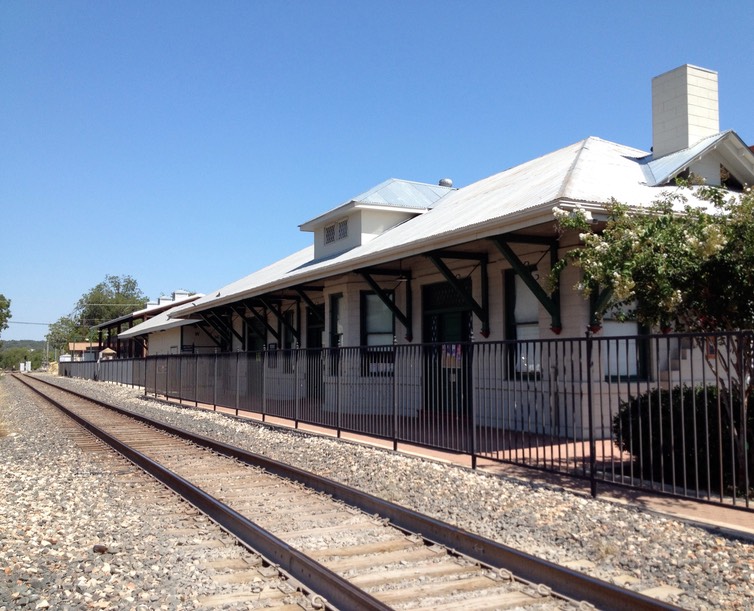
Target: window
[(378, 328), (336, 231), (343, 229), (377, 334), (624, 352), (336, 324), (256, 334), (336, 332), (523, 326)]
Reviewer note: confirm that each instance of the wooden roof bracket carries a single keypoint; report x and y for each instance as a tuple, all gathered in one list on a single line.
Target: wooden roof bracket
[(597, 305), (279, 315), (237, 335), (403, 318), (207, 328), (247, 321), (217, 325), (301, 292), (482, 311), (551, 303), (263, 319)]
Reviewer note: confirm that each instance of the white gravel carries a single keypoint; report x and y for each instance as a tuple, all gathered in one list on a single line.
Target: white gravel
[(696, 568)]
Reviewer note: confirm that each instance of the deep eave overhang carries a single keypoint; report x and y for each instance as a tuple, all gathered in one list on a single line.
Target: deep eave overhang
[(339, 213), (510, 223)]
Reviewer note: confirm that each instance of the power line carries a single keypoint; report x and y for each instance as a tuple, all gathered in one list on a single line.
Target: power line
[(18, 322), (116, 305)]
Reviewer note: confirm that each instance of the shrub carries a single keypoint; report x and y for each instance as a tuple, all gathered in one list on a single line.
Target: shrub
[(683, 436)]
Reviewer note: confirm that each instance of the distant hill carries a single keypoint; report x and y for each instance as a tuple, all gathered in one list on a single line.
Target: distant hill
[(27, 344)]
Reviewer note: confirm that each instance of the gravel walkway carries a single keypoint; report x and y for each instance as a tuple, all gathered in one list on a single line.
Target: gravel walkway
[(692, 568)]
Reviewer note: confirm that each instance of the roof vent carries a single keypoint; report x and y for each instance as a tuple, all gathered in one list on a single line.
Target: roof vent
[(445, 182)]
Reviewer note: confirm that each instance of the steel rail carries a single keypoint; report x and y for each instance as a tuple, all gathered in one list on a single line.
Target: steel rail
[(336, 590), (561, 580)]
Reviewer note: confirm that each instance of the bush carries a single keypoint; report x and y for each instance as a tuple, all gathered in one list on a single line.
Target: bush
[(683, 436)]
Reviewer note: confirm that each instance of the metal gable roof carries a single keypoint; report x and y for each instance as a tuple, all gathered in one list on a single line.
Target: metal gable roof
[(728, 144), (590, 171), (164, 303), (391, 193), (403, 194), (160, 322)]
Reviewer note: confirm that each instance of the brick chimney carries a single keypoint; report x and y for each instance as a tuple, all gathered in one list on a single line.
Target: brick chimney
[(684, 108)]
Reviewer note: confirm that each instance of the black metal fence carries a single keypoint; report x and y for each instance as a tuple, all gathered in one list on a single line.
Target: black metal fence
[(673, 413)]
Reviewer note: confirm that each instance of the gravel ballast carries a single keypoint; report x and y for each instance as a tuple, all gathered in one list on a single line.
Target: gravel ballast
[(689, 566)]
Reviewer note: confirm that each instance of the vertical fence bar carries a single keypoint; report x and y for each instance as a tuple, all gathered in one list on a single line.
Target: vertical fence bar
[(746, 341), (732, 416), (590, 392), (297, 389), (394, 432), (214, 385), (264, 384), (472, 409)]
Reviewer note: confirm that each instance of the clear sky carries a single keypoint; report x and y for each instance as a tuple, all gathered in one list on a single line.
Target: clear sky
[(182, 143)]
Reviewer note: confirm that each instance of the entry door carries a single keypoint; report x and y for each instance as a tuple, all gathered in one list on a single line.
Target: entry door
[(447, 328)]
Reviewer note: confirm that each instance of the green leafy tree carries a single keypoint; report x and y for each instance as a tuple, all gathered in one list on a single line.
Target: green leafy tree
[(11, 358), (4, 312), (114, 297), (677, 265), (61, 332)]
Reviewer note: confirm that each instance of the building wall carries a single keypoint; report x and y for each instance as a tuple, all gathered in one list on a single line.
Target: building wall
[(377, 222), (551, 391), (322, 249), (165, 342)]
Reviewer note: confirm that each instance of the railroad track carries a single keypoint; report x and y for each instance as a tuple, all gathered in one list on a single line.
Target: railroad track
[(348, 548)]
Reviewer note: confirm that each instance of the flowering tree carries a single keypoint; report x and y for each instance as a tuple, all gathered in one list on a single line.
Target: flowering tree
[(677, 265), (672, 264)]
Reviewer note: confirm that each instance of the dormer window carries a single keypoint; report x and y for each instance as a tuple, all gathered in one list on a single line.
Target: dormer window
[(369, 215), (336, 231)]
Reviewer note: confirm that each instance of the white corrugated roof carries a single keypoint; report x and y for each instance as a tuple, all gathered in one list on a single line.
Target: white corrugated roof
[(403, 194), (391, 193), (160, 322), (590, 171), (729, 146)]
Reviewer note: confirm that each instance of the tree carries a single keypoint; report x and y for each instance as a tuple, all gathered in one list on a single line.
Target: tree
[(12, 358), (674, 264), (5, 314), (114, 297), (61, 332), (681, 266)]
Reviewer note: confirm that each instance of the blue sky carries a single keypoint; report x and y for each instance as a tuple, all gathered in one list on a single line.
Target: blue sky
[(182, 143)]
